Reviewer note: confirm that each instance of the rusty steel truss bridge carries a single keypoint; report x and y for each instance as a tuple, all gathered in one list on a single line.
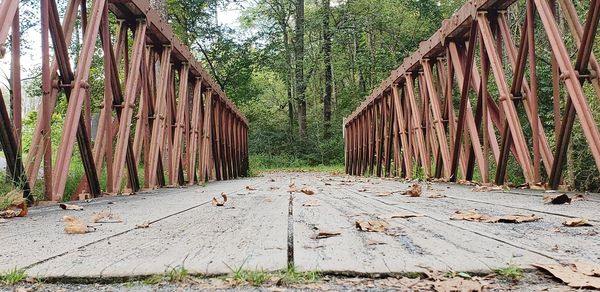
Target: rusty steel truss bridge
[(423, 116), (160, 108)]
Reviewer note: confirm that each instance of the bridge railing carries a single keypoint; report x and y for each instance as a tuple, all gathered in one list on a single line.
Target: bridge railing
[(464, 98), (160, 109)]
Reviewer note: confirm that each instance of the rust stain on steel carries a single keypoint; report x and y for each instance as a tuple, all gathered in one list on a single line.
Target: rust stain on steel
[(426, 129), (186, 129)]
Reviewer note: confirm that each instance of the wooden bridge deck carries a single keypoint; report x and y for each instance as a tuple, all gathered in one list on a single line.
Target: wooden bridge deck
[(256, 229)]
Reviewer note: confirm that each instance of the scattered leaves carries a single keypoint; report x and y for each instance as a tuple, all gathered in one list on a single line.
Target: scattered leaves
[(218, 203), (105, 216), (372, 225), (557, 200), (473, 215), (576, 276), (312, 203), (307, 191), (326, 234), (74, 225), (414, 191), (577, 222), (70, 207)]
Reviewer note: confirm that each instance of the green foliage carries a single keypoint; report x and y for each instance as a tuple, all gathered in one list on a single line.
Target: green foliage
[(293, 276), (512, 272), (12, 277), (177, 274)]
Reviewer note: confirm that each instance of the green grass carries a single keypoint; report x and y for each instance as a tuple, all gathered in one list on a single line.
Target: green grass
[(12, 277), (512, 272), (177, 274), (172, 275), (293, 276)]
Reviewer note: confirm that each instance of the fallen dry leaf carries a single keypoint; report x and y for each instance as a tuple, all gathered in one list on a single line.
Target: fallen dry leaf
[(578, 197), (307, 191), (74, 225), (571, 275), (273, 188), (473, 215), (2, 220), (518, 218), (70, 207), (105, 216), (557, 200), (326, 234), (466, 183), (143, 225), (375, 242), (312, 203), (589, 269), (458, 284), (250, 188), (486, 188), (372, 225), (414, 191), (400, 215), (436, 196), (7, 214), (362, 190), (576, 222), (218, 203)]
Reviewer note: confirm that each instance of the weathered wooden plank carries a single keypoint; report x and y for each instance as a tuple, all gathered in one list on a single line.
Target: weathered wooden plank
[(40, 235), (250, 231)]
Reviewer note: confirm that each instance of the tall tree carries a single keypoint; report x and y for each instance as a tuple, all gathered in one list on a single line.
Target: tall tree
[(328, 69), (299, 54)]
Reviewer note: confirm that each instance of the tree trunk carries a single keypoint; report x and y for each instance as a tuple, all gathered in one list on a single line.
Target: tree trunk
[(328, 69), (300, 84), (289, 79)]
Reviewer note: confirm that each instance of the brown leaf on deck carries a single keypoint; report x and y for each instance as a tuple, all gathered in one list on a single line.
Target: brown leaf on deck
[(2, 220), (218, 203), (372, 225), (577, 222), (436, 195), (400, 215), (578, 197), (586, 268), (70, 207), (414, 191), (250, 188), (458, 284), (518, 218), (326, 234), (473, 215), (105, 216), (466, 182), (143, 225), (572, 275), (469, 215), (312, 203), (486, 188), (307, 191), (7, 214), (375, 242), (74, 225), (557, 200)]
